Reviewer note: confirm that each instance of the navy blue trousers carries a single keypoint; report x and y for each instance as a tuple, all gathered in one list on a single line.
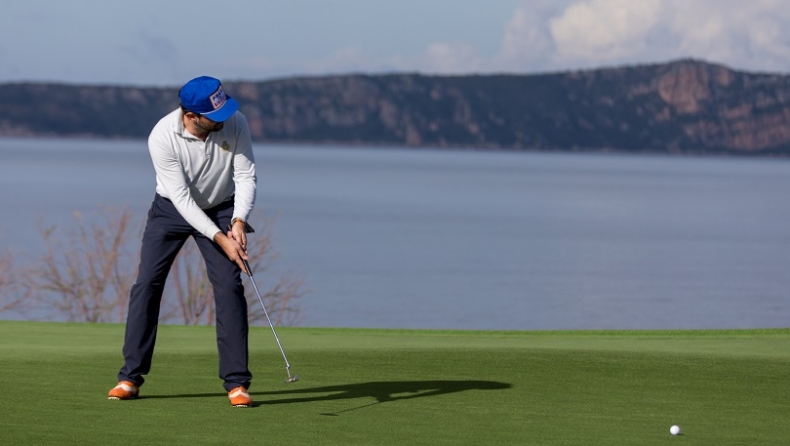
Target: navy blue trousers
[(165, 233)]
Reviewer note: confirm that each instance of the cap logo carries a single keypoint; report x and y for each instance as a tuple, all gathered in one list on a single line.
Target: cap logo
[(218, 99)]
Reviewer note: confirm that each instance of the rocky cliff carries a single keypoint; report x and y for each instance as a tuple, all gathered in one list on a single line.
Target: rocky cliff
[(680, 107)]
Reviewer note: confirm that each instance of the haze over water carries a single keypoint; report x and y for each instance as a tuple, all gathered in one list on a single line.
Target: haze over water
[(473, 240)]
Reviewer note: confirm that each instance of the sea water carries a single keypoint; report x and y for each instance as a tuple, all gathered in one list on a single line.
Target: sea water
[(452, 239)]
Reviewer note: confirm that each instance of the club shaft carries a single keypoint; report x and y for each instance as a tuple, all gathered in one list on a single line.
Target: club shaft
[(266, 313)]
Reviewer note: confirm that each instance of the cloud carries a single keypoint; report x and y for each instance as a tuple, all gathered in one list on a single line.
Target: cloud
[(553, 35), (603, 30), (527, 40), (743, 34), (752, 34), (526, 43), (441, 58), (543, 35)]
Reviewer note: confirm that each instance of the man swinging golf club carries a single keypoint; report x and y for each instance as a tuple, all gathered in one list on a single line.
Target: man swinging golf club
[(205, 180)]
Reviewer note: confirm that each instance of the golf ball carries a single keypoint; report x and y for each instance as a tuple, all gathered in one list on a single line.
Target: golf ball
[(674, 430)]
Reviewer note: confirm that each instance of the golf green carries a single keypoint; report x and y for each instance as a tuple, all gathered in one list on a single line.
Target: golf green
[(402, 387)]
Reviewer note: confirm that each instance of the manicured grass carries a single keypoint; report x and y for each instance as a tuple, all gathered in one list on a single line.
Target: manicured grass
[(400, 387)]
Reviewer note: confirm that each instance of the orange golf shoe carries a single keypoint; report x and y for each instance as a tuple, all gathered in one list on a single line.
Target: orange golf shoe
[(125, 390), (239, 397)]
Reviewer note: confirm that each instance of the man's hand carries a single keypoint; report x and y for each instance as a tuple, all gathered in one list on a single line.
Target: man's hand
[(238, 232), (233, 249)]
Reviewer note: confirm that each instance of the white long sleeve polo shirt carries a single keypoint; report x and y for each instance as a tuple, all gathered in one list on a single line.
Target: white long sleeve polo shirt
[(197, 175)]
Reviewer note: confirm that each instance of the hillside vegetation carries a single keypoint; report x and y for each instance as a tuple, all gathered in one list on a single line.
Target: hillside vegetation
[(685, 106)]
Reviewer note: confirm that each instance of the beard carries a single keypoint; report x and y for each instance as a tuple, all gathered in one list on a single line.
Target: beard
[(213, 127)]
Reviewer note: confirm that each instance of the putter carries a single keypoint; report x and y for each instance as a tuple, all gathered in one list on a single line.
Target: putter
[(290, 379)]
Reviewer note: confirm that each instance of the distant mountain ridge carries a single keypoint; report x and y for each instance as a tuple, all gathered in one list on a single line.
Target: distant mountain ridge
[(685, 106)]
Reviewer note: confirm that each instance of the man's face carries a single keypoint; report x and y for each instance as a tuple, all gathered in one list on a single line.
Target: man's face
[(207, 125)]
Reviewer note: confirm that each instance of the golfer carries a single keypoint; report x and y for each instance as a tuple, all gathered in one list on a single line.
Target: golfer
[(205, 180)]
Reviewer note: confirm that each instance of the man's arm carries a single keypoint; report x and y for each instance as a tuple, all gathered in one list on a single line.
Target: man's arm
[(245, 181), (244, 175)]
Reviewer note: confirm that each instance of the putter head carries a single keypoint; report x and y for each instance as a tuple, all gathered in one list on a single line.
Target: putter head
[(292, 379)]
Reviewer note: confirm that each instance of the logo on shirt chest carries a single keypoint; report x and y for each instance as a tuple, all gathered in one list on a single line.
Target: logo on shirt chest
[(225, 146)]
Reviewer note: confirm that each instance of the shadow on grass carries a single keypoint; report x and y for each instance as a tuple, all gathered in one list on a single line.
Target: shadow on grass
[(382, 392)]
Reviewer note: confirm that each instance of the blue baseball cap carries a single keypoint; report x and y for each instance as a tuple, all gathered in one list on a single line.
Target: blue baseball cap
[(204, 95)]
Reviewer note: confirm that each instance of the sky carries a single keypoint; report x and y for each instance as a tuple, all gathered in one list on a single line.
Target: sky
[(166, 42)]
